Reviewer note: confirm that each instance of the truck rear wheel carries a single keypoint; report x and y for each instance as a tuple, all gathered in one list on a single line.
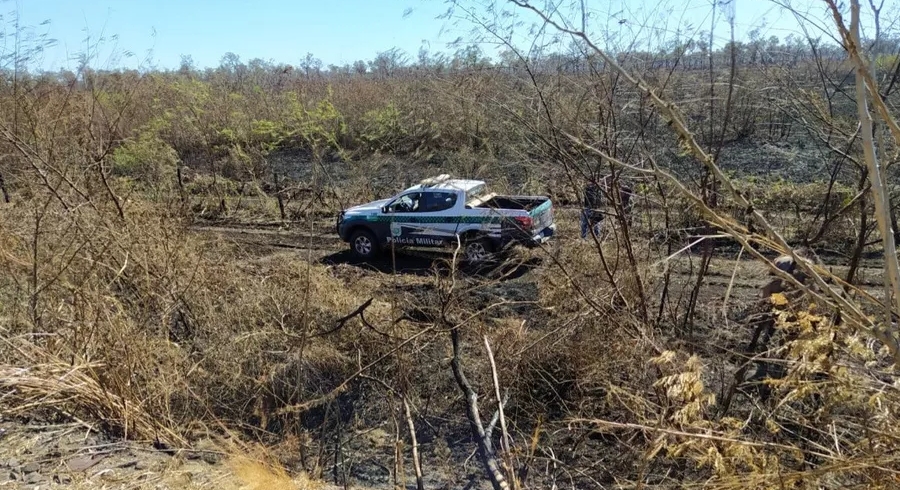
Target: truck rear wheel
[(478, 251), (363, 244)]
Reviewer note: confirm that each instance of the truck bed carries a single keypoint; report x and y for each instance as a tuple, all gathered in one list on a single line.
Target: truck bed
[(513, 202)]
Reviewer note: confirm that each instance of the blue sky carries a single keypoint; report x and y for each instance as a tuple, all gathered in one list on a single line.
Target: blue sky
[(335, 31)]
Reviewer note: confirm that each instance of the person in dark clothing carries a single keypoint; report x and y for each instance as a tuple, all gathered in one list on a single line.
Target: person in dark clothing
[(626, 192), (591, 215), (594, 195)]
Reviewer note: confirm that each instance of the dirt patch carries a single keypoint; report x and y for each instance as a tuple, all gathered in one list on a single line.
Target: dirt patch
[(71, 455), (35, 455)]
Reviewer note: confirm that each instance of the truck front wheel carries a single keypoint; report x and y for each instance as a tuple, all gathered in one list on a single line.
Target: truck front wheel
[(363, 244)]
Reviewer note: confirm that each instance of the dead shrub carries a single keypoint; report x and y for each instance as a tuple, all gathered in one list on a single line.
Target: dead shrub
[(173, 328)]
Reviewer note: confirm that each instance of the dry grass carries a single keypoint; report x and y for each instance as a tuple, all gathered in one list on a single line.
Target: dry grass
[(150, 328), (39, 384), (190, 334), (238, 473), (256, 475)]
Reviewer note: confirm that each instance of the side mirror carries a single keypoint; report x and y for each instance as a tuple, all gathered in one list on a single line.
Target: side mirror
[(384, 209)]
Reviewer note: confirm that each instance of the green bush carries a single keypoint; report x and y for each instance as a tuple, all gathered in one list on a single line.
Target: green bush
[(383, 129), (210, 185), (147, 160)]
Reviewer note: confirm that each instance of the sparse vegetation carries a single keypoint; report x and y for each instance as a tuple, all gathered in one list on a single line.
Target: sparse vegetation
[(171, 272)]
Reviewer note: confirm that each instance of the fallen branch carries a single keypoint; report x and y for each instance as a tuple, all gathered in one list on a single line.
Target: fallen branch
[(340, 322), (485, 447), (698, 435), (507, 456)]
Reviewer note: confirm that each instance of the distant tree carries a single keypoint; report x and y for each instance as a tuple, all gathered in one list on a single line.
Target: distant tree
[(510, 59), (430, 62), (236, 71), (230, 61), (387, 63), (311, 65), (186, 67), (469, 58)]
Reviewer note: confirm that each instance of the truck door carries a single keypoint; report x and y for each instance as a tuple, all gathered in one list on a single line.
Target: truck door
[(413, 221), (440, 209)]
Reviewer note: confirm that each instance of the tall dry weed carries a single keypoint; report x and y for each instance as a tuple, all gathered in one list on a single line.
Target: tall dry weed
[(159, 328)]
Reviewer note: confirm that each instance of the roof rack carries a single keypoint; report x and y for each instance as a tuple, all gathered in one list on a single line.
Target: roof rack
[(432, 181)]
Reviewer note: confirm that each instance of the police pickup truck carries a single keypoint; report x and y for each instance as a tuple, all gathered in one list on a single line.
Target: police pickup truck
[(442, 214)]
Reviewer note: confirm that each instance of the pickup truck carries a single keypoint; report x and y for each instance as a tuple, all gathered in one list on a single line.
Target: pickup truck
[(442, 214)]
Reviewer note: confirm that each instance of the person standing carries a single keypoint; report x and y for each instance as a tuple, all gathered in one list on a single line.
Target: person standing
[(626, 192), (591, 214)]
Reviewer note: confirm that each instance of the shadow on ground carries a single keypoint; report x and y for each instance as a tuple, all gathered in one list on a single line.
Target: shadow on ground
[(423, 264)]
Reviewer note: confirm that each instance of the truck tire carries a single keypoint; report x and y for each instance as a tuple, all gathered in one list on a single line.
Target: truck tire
[(478, 251), (363, 244)]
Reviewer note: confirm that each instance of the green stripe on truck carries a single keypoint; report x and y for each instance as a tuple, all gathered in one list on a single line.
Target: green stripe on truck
[(424, 219)]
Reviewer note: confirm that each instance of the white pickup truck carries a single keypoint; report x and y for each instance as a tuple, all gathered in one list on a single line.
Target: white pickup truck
[(442, 213)]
